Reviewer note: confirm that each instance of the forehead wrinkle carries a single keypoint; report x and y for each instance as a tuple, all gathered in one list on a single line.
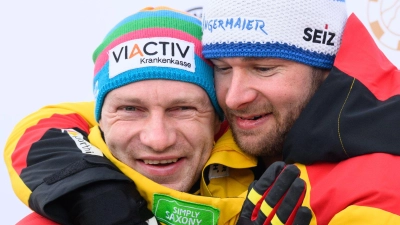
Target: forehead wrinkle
[(180, 97)]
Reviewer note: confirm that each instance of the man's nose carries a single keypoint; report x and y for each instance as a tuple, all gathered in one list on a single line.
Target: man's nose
[(240, 92), (158, 132)]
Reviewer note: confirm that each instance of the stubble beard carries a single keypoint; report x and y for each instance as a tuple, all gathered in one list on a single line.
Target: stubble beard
[(270, 144)]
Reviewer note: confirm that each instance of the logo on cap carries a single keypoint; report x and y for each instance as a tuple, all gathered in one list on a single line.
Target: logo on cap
[(147, 52), (244, 24), (319, 36)]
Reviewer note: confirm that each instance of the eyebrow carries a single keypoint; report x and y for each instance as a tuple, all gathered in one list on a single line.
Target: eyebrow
[(192, 100)]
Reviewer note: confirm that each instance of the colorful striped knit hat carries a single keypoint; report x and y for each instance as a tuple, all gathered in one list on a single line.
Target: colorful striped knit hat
[(155, 43), (305, 31)]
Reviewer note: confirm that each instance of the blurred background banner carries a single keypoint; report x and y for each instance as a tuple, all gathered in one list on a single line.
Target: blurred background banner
[(46, 55), (382, 18)]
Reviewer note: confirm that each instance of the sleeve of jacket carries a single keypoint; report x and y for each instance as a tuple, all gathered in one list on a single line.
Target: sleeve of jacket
[(35, 219), (48, 156)]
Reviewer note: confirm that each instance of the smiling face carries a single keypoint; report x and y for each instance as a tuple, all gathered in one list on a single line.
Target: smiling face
[(162, 129), (262, 98)]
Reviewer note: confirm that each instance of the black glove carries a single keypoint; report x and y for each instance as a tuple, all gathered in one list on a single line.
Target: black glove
[(276, 198), (108, 202)]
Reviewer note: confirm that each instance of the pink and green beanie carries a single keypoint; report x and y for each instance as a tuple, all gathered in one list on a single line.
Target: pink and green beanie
[(155, 43)]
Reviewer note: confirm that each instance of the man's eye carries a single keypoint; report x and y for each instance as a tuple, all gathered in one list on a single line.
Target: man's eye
[(220, 68), (262, 69), (184, 108), (182, 111), (129, 108)]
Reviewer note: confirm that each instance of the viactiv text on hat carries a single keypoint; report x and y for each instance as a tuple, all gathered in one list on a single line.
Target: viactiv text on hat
[(155, 43), (305, 31)]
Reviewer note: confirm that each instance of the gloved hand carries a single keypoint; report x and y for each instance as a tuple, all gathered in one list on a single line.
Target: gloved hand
[(276, 198), (108, 202)]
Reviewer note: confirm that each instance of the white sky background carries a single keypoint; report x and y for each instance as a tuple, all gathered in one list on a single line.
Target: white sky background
[(45, 58)]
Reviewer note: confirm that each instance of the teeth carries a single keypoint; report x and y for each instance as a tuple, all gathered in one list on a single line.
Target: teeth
[(253, 118), (155, 162)]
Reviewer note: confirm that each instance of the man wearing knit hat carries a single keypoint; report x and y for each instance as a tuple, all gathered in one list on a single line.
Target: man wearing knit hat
[(156, 106), (275, 59), (296, 85), (156, 109), (156, 115)]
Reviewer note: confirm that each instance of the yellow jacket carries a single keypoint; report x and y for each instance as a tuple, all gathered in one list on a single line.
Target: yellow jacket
[(30, 157)]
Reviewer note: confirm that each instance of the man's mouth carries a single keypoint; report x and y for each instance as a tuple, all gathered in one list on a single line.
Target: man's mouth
[(253, 118), (160, 162)]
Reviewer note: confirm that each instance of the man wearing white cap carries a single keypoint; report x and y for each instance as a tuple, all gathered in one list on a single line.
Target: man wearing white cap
[(295, 84)]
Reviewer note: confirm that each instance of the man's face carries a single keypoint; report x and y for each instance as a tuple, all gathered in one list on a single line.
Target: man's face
[(262, 98), (162, 129)]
